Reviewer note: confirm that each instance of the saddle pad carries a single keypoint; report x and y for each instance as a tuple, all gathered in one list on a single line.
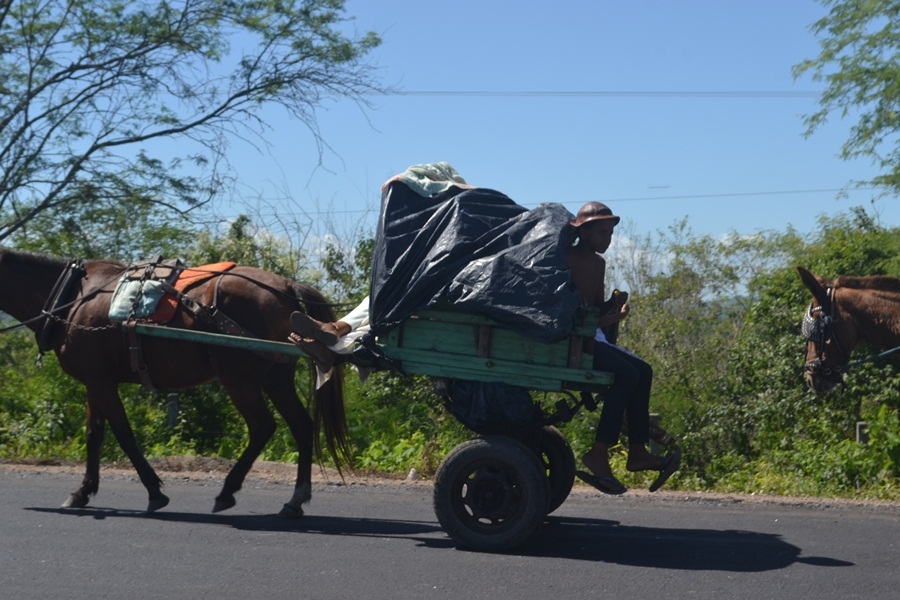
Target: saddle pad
[(165, 310), (134, 299)]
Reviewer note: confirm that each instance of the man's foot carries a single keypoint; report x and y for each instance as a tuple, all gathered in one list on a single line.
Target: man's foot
[(601, 476), (308, 327), (316, 350), (597, 462)]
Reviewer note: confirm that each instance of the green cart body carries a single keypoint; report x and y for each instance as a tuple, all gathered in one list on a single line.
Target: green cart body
[(462, 345)]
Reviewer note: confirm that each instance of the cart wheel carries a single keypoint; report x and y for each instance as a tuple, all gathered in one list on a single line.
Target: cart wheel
[(558, 459), (490, 493)]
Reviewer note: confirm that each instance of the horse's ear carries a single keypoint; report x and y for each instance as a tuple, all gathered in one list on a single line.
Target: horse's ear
[(814, 284)]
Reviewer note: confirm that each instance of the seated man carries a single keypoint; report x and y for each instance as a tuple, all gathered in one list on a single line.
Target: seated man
[(629, 394)]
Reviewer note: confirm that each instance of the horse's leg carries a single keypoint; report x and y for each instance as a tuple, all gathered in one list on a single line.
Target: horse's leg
[(248, 399), (91, 482), (280, 388), (107, 396)]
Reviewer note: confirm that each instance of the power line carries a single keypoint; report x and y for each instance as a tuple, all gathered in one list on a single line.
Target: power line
[(608, 94), (630, 199), (732, 195)]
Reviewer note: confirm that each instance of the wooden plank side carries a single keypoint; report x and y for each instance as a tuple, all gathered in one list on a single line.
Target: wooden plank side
[(453, 344), (438, 364), (587, 318), (439, 336), (466, 339), (512, 346)]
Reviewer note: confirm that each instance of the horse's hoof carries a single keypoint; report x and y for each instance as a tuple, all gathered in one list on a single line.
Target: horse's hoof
[(157, 503), (290, 512), (75, 501), (223, 504)]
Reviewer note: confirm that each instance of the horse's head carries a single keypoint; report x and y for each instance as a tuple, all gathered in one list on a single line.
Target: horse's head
[(829, 339)]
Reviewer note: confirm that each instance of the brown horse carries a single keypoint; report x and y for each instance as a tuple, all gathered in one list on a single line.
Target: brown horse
[(94, 350), (844, 313)]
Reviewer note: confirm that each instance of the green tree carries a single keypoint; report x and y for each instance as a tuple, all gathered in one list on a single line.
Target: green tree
[(765, 430), (104, 228), (860, 43), (89, 89), (349, 273), (246, 244)]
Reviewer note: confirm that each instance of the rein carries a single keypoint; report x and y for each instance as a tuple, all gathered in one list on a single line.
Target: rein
[(870, 358), (49, 312), (20, 325)]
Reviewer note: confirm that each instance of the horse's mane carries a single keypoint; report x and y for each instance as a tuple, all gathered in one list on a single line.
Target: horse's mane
[(43, 260), (883, 283), (31, 258)]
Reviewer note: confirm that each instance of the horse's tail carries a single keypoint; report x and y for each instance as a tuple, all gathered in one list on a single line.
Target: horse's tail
[(328, 405)]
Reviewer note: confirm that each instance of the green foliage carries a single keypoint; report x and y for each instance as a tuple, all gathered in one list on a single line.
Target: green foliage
[(41, 410), (859, 42), (398, 423), (719, 320), (349, 274), (767, 432), (248, 244), (131, 231)]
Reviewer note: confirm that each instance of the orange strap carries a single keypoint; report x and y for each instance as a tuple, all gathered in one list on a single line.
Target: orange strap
[(165, 310)]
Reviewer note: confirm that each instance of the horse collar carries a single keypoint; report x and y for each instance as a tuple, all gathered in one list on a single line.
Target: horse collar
[(56, 301)]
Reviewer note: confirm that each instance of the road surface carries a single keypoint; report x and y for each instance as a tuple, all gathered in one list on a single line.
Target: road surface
[(373, 540)]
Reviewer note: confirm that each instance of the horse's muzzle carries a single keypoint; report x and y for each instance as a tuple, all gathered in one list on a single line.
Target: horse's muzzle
[(821, 379)]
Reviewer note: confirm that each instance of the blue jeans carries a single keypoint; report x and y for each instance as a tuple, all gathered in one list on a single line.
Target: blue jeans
[(629, 395)]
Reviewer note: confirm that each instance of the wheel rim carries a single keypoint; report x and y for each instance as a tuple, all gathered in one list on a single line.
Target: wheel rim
[(488, 496)]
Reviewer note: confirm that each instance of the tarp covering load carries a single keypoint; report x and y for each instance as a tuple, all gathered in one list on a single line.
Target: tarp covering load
[(478, 250)]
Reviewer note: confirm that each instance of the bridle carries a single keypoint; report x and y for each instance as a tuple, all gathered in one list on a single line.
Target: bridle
[(818, 328)]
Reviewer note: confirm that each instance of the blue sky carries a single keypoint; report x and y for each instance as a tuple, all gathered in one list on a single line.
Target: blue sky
[(631, 117)]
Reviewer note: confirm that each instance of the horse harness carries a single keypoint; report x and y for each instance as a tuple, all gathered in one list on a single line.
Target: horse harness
[(73, 273), (165, 272), (818, 329)]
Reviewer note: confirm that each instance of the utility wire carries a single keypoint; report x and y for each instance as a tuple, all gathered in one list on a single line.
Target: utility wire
[(631, 199), (609, 94), (731, 195)]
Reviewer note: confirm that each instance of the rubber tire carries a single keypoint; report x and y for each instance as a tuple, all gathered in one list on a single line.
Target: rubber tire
[(490, 494), (558, 459)]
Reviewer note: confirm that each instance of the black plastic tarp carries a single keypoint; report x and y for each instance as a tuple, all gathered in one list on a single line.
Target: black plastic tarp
[(478, 250)]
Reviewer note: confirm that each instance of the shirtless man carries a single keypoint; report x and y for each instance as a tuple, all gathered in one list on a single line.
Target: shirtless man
[(630, 393)]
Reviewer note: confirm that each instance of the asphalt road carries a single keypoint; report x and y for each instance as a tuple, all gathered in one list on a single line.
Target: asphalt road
[(382, 541)]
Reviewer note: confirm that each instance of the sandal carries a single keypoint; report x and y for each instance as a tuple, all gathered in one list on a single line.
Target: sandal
[(670, 464), (605, 483)]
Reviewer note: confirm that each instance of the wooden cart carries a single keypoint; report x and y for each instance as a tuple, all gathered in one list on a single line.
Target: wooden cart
[(491, 492)]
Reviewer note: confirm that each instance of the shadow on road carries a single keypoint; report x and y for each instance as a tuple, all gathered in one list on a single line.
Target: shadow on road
[(595, 540), (666, 548), (314, 524)]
